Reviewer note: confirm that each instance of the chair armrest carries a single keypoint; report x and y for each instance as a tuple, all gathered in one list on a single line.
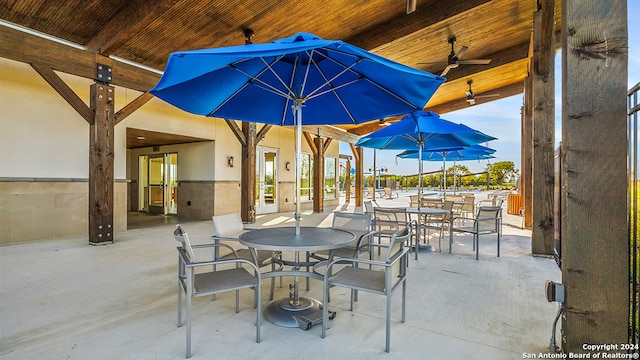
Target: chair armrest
[(354, 261), (184, 258)]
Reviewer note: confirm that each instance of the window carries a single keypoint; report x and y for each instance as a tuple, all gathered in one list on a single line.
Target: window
[(330, 177), (306, 178)]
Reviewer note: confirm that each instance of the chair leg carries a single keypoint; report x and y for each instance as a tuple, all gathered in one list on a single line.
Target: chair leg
[(476, 239), (387, 345), (188, 314), (258, 289), (179, 304), (325, 308)]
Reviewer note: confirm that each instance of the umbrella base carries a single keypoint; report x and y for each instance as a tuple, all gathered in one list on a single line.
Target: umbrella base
[(304, 315), (425, 248)]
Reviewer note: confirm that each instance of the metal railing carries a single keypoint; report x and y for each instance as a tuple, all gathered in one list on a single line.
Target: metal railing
[(633, 105)]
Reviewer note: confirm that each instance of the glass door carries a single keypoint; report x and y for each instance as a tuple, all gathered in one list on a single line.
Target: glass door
[(158, 183), (266, 180)]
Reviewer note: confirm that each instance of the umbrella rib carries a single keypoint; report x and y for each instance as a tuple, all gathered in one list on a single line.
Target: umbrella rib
[(383, 88), (333, 89)]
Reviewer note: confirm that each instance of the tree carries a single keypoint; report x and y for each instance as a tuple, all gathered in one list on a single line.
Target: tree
[(501, 170)]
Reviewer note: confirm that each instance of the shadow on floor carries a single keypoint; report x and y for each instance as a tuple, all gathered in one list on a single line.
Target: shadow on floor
[(140, 220)]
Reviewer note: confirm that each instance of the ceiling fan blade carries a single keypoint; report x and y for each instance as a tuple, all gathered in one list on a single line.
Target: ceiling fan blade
[(449, 67), (462, 51), (487, 96), (475, 62)]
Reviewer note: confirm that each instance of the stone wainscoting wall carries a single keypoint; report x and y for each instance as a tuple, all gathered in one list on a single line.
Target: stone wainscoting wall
[(39, 209)]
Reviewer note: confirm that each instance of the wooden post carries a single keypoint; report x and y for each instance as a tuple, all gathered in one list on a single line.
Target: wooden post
[(347, 181), (543, 131), (594, 227), (101, 142), (248, 173), (358, 154), (318, 175), (527, 149)]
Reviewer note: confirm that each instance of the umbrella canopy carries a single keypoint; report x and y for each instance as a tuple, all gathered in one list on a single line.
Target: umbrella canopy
[(474, 152), (424, 130), (335, 82), (338, 83)]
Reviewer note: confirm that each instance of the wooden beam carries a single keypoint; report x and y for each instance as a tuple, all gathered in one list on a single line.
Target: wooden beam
[(235, 129), (132, 18), (327, 142), (310, 142), (595, 183), (101, 160), (506, 91), (263, 132), (427, 13), (65, 91), (20, 46), (543, 131), (332, 132), (131, 107)]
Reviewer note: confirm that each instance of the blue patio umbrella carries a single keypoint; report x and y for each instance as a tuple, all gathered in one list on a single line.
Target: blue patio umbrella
[(473, 152), (421, 131), (330, 81)]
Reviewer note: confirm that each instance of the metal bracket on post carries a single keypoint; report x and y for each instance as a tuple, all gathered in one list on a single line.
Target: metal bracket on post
[(103, 73)]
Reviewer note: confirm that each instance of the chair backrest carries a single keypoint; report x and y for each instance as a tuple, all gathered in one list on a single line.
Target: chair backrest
[(413, 200), (228, 226), (488, 218), (396, 248), (432, 202), (387, 191), (358, 224), (181, 236), (469, 201), (387, 218), (368, 207), (447, 205)]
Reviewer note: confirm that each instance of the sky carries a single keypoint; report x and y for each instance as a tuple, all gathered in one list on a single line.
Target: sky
[(501, 118)]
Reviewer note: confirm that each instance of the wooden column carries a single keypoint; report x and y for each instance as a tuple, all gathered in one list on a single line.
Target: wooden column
[(318, 174), (358, 154), (527, 150), (101, 142), (595, 238), (248, 173), (347, 182), (543, 132)]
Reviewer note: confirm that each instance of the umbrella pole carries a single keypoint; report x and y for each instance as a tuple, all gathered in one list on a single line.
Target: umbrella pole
[(420, 176), (455, 185), (444, 177), (298, 165)]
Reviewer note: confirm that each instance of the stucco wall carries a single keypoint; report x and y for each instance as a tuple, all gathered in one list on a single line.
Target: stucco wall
[(44, 145)]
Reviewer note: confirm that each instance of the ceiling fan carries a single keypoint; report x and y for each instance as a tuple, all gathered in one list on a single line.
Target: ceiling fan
[(454, 61), (471, 96)]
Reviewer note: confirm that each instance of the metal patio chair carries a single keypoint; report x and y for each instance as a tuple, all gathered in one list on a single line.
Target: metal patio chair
[(220, 276), (488, 220), (383, 277), (229, 227)]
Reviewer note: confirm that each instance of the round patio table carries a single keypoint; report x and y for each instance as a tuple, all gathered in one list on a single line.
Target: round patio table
[(295, 311)]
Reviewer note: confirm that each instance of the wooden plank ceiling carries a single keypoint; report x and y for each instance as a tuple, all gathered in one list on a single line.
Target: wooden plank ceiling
[(146, 32)]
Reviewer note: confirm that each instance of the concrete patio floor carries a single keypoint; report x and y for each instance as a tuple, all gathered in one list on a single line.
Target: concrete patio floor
[(64, 299)]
